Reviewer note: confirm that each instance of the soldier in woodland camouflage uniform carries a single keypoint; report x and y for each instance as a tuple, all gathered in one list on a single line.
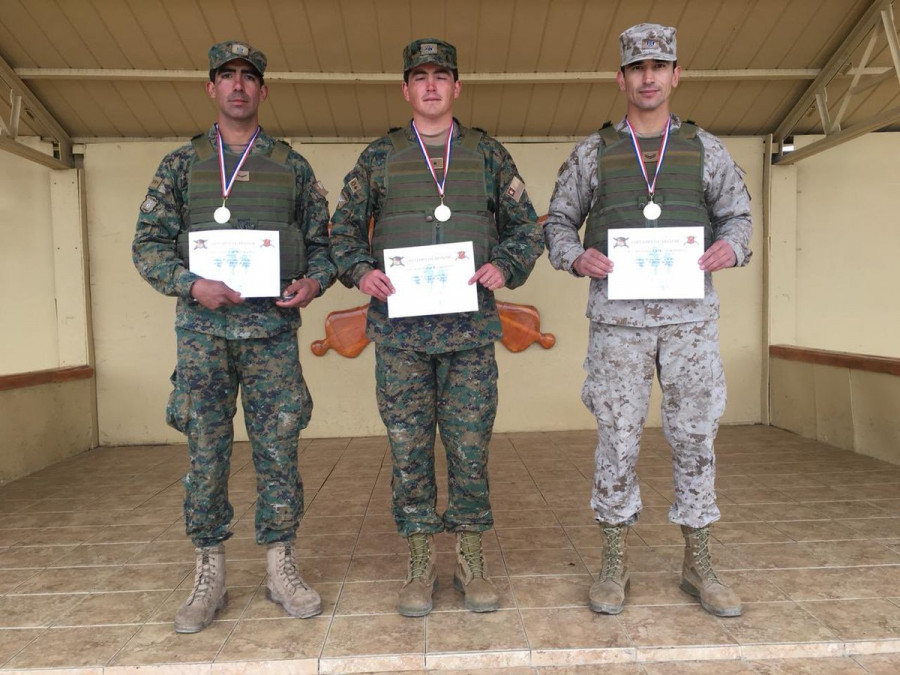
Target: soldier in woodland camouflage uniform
[(225, 341), (698, 185), (438, 369)]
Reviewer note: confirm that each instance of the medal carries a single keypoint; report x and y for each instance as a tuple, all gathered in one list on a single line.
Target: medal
[(442, 212), (223, 214), (652, 210)]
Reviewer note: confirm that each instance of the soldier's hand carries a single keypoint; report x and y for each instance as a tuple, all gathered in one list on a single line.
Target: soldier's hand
[(214, 294), (718, 256), (377, 284), (489, 276), (593, 264), (300, 293)]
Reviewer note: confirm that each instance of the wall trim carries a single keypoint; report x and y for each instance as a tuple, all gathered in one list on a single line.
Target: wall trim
[(38, 377), (824, 357)]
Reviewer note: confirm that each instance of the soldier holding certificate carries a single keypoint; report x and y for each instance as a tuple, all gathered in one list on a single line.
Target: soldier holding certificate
[(651, 170), (436, 181), (236, 177)]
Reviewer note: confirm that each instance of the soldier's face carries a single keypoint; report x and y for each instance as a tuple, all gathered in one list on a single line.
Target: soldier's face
[(237, 91), (648, 84), (431, 91)]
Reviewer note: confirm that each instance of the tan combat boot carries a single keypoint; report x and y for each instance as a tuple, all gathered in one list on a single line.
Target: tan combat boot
[(421, 580), (285, 586), (470, 577), (699, 579), (607, 595), (209, 594)]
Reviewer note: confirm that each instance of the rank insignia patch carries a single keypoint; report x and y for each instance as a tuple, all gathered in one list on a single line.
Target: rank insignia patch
[(516, 189)]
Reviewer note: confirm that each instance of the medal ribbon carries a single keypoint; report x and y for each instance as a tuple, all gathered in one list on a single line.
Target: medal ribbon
[(229, 183), (439, 183), (651, 187)]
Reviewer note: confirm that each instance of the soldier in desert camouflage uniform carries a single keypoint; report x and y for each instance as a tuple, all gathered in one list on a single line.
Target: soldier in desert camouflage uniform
[(629, 339), (225, 341), (438, 369)]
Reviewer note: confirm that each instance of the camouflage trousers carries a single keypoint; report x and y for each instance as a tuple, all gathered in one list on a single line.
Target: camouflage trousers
[(620, 365), (457, 392), (277, 406)]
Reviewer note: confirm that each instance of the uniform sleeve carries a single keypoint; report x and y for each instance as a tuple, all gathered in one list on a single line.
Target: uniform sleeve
[(727, 198), (356, 206), (159, 222), (570, 204), (521, 243), (312, 215)]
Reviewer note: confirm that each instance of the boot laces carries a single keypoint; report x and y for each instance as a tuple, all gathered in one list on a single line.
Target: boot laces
[(419, 555), (202, 577), (470, 547), (702, 555), (287, 569), (612, 561)]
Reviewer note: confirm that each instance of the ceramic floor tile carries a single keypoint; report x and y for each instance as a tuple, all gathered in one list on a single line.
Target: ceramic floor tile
[(533, 538), (880, 664), (815, 530), (668, 626), (159, 644), (32, 611), (148, 577), (543, 561), (287, 638), (113, 608), (73, 647), (748, 533), (868, 619), (324, 545), (371, 635), (776, 622), (468, 631), (331, 525), (13, 579), (368, 597), (100, 554), (526, 518), (378, 567), (583, 629), (837, 582), (13, 640), (551, 591), (32, 556)]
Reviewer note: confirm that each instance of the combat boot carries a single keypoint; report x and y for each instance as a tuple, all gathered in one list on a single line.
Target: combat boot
[(421, 580), (285, 586), (208, 595), (607, 594), (699, 579), (470, 577)]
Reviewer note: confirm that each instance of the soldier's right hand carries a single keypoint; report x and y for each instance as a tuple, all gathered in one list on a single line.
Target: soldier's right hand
[(214, 294), (593, 264), (377, 284)]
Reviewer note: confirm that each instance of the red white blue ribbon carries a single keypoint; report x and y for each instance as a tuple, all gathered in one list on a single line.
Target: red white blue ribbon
[(651, 186), (228, 183), (439, 183)]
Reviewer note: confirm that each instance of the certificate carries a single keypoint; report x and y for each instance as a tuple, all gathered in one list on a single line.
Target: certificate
[(431, 279), (245, 260), (656, 263)]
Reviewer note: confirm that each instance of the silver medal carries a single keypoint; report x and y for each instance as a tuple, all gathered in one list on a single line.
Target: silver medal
[(221, 215), (442, 213), (652, 210)]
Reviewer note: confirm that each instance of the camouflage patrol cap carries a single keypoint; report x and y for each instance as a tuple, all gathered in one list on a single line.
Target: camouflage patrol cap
[(647, 41), (223, 52), (429, 50)]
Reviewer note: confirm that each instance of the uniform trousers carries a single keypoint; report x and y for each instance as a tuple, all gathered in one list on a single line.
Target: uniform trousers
[(457, 392), (620, 364), (277, 406)]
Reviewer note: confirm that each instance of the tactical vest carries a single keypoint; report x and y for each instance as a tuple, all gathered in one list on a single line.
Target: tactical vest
[(622, 191), (266, 202), (407, 213)]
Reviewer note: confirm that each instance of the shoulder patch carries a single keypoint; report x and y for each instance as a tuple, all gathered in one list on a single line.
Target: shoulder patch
[(516, 189), (155, 183), (149, 204), (319, 187), (353, 185)]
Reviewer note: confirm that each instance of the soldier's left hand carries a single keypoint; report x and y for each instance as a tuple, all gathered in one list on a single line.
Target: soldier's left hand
[(303, 291), (489, 276), (718, 256)]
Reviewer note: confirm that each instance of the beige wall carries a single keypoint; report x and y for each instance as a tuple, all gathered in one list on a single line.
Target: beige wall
[(539, 389)]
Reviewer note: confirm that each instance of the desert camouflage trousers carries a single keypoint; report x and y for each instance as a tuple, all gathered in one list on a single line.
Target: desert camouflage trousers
[(457, 392), (620, 364), (277, 406)]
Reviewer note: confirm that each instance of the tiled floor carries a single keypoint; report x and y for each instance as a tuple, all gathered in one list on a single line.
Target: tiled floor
[(94, 563)]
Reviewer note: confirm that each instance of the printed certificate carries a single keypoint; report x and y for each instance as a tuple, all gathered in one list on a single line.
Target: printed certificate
[(656, 263), (246, 260), (431, 279)]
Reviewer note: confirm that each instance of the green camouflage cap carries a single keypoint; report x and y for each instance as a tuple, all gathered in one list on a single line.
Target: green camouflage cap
[(647, 41), (429, 50), (223, 52)]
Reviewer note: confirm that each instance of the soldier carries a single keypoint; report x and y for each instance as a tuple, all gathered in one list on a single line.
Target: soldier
[(436, 181), (613, 178), (237, 176)]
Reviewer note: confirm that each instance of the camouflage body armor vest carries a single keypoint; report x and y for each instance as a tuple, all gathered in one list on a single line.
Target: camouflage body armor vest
[(266, 202), (622, 191), (407, 213)]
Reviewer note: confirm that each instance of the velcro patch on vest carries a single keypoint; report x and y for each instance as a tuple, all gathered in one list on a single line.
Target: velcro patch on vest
[(243, 176), (149, 204), (354, 185), (516, 189), (320, 188), (155, 183)]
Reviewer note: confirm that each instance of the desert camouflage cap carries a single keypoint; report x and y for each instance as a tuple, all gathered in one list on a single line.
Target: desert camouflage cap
[(223, 52), (647, 41), (429, 50)]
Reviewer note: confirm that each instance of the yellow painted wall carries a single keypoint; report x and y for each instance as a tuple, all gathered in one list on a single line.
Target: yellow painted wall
[(134, 337)]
